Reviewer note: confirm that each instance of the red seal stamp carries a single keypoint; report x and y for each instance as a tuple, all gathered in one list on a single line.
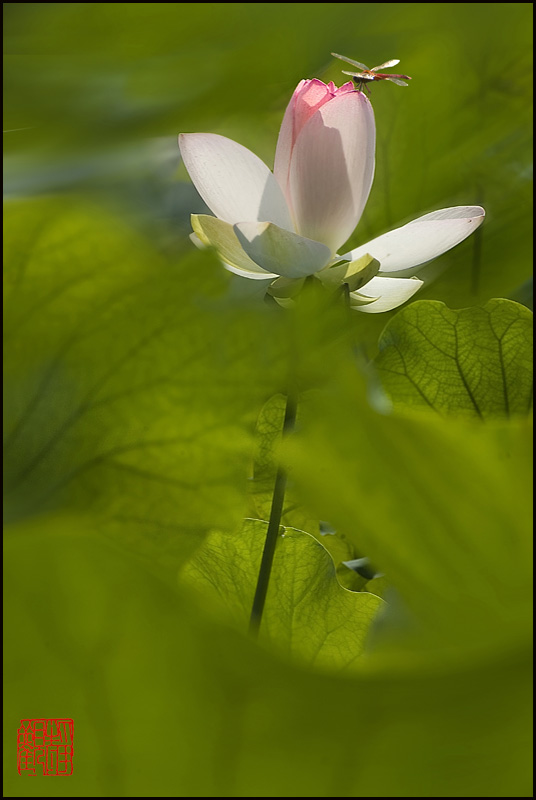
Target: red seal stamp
[(45, 746)]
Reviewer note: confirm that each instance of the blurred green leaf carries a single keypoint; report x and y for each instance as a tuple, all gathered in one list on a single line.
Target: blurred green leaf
[(268, 435), (132, 382), (308, 615), (473, 362), (440, 506), (525, 294), (168, 704)]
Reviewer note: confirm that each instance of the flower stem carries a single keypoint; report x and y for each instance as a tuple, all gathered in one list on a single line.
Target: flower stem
[(268, 553), (358, 351)]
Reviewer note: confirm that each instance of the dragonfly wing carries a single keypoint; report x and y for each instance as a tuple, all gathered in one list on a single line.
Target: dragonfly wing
[(397, 81), (359, 76), (392, 63), (350, 61)]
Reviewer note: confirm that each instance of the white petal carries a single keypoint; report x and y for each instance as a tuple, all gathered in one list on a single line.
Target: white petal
[(331, 169), (194, 238), (282, 251), (234, 183), (422, 239), (391, 293), (244, 273), (213, 232)]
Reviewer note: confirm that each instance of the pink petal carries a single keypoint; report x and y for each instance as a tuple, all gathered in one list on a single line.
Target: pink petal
[(308, 97), (331, 169)]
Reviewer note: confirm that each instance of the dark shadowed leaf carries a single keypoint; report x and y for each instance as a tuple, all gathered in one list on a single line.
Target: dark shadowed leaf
[(132, 382)]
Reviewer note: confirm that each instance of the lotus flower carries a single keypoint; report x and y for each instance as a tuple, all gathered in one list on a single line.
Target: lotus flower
[(287, 225)]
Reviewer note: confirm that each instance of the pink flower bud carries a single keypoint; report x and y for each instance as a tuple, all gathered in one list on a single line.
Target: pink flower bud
[(324, 160)]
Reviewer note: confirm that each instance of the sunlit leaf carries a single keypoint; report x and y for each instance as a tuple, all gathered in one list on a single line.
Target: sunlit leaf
[(473, 362), (308, 615)]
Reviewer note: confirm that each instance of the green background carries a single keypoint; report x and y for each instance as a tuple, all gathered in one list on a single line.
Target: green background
[(136, 369)]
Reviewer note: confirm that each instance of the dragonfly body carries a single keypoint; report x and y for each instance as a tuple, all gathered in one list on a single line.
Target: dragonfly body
[(367, 75)]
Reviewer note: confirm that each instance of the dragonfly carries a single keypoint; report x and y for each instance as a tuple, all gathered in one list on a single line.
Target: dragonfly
[(368, 75)]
